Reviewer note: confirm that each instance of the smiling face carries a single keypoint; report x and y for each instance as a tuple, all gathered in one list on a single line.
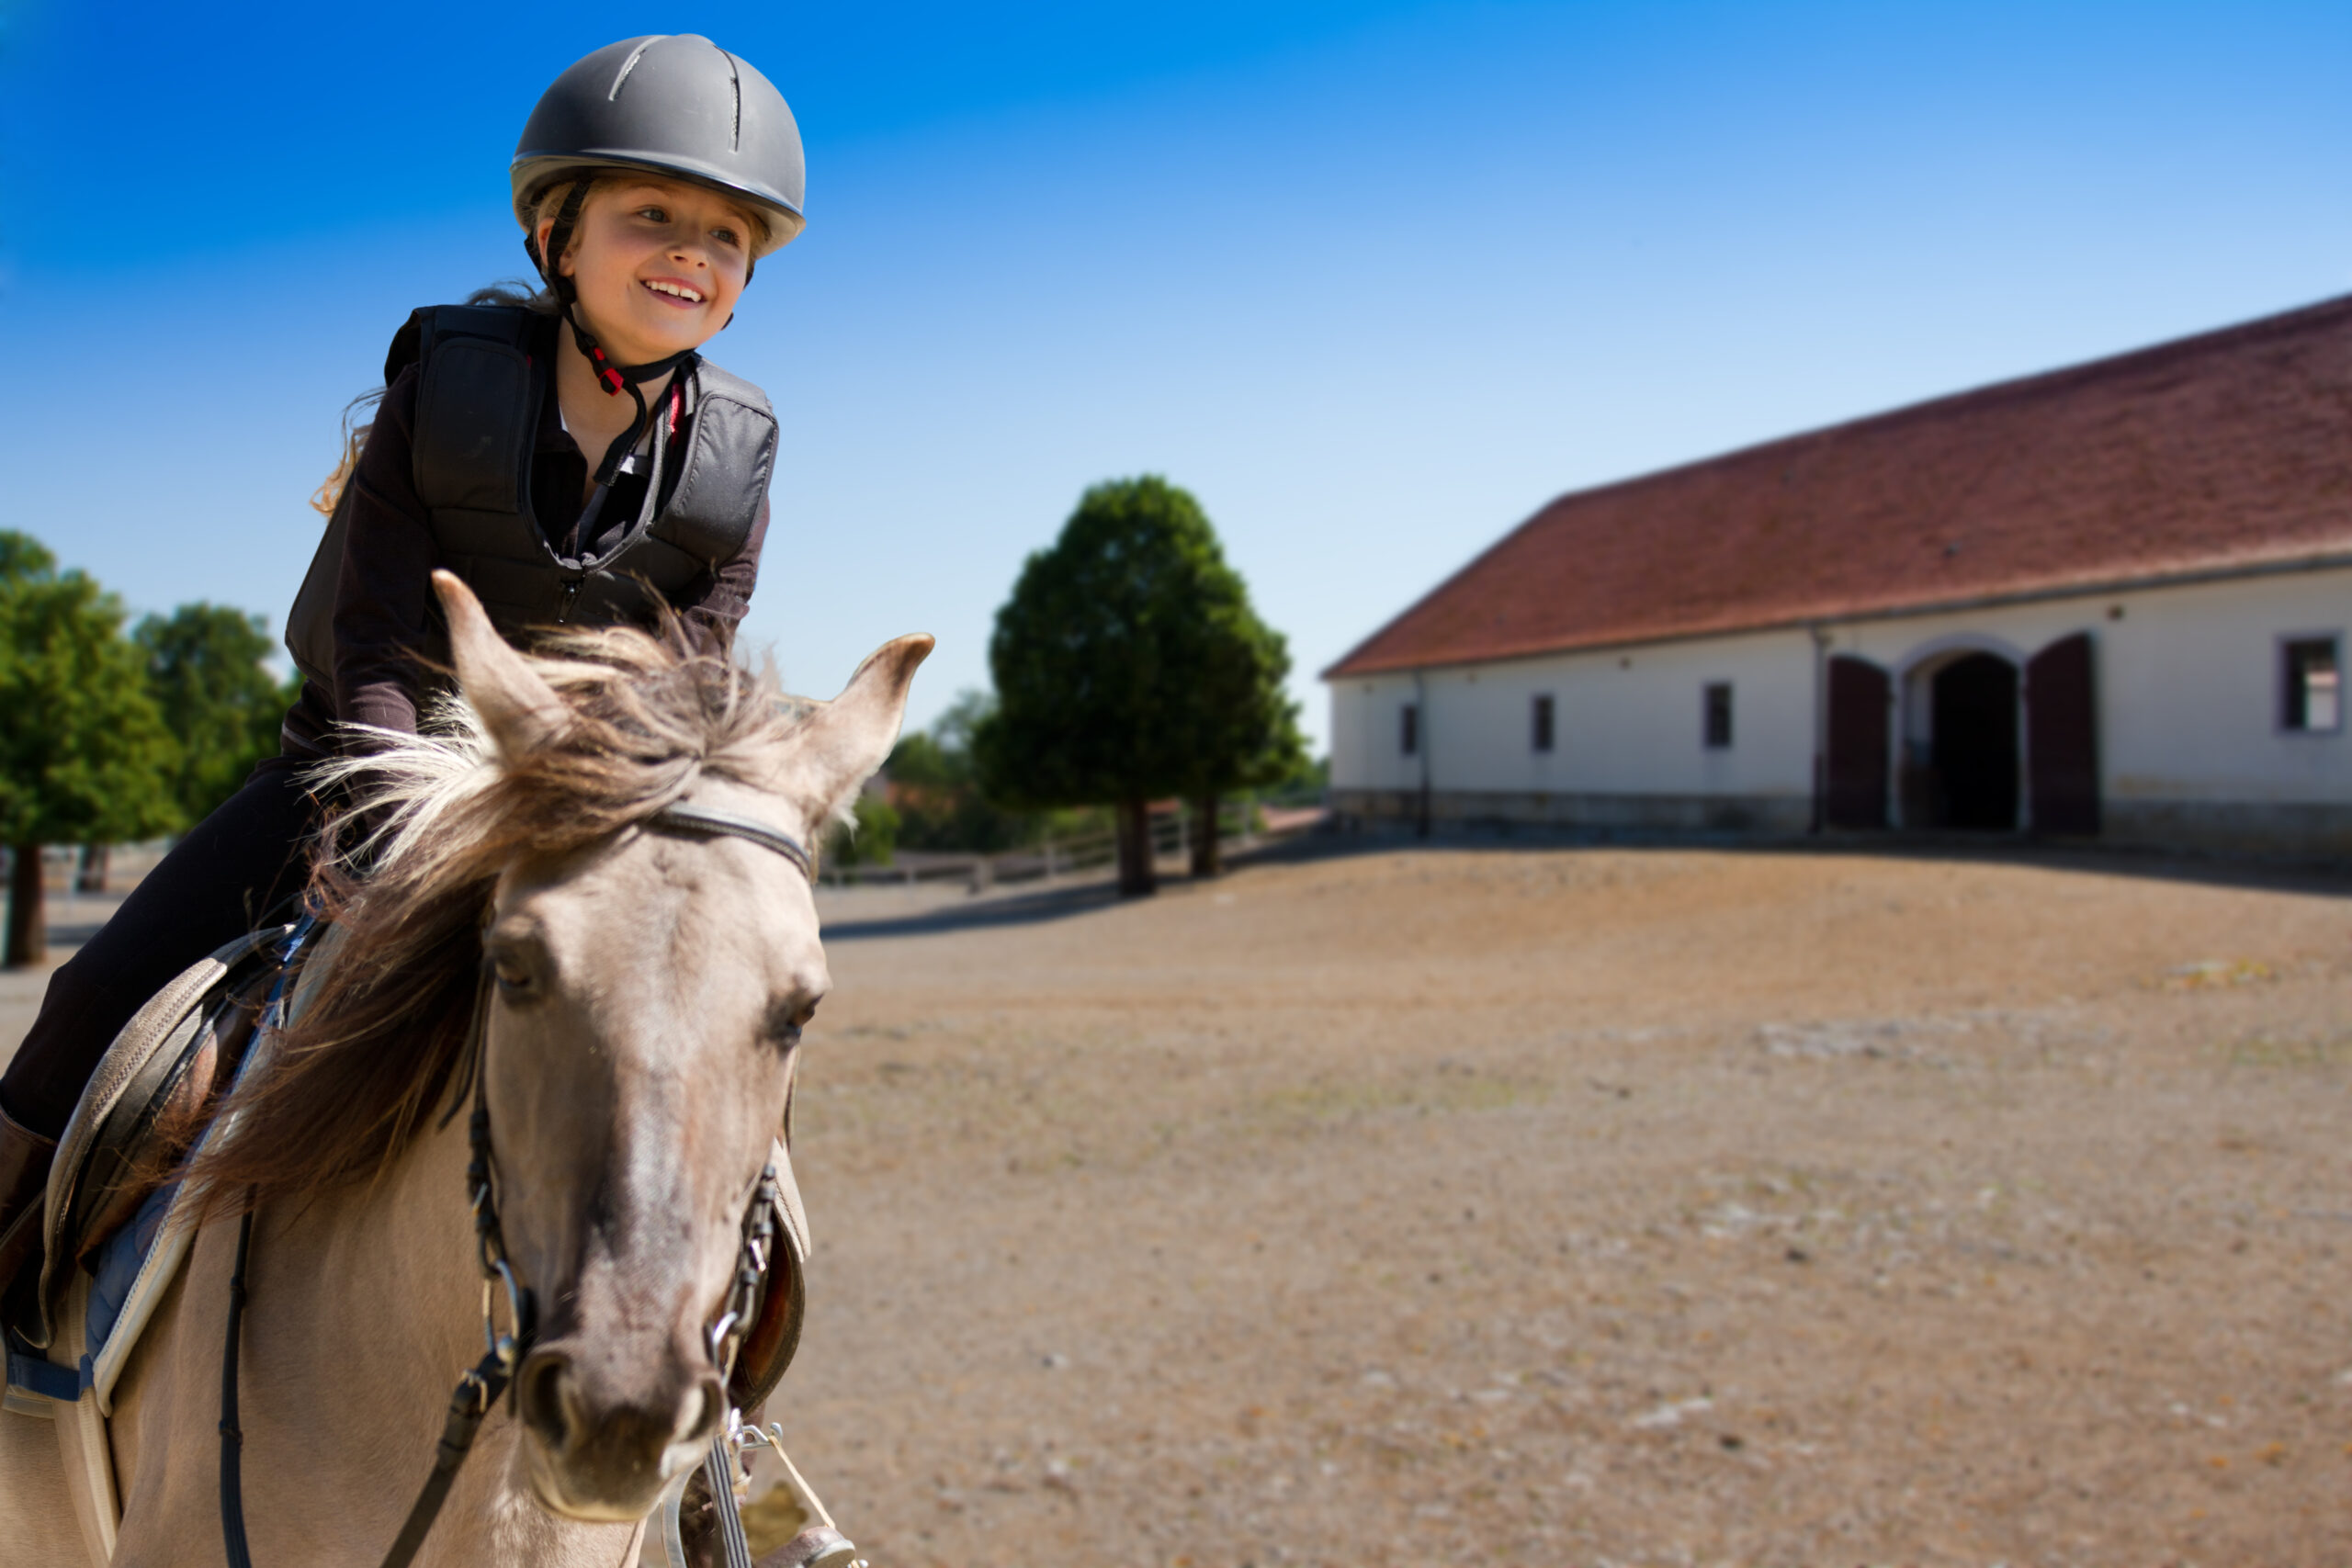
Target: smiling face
[(659, 263)]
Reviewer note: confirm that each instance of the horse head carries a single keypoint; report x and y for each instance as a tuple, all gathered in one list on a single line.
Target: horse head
[(644, 1000)]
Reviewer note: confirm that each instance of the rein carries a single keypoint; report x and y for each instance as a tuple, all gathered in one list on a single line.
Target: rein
[(481, 1385)]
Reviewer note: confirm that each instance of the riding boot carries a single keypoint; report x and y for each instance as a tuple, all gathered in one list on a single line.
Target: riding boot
[(24, 1186)]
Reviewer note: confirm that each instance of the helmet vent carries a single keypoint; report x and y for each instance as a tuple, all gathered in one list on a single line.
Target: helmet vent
[(735, 80), (631, 64)]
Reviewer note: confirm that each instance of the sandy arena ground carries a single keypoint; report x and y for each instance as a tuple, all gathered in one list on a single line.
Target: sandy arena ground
[(1508, 1206), (1493, 1206)]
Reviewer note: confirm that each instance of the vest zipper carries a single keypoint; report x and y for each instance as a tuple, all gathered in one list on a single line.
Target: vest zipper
[(563, 611)]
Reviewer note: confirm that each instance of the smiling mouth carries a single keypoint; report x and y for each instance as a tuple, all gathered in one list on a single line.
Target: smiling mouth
[(674, 290)]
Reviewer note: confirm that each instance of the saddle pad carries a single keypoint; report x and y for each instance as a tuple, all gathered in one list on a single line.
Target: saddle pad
[(133, 1265), (147, 1057), (134, 1269)]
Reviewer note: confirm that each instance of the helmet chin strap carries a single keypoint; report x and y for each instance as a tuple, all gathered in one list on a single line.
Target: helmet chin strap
[(615, 379)]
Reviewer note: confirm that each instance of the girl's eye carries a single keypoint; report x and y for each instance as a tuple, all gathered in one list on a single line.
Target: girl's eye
[(725, 236), (653, 214)]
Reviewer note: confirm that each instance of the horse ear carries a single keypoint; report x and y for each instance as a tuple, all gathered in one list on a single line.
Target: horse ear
[(841, 743), (520, 710)]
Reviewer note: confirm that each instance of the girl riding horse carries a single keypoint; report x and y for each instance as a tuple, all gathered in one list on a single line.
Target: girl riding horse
[(570, 457)]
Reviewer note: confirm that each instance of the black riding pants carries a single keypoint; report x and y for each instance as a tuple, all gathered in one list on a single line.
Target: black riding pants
[(215, 885)]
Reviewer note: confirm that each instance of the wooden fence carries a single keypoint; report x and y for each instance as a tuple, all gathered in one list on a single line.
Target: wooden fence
[(1239, 824)]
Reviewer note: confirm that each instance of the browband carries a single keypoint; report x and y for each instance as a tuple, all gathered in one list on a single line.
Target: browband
[(705, 821)]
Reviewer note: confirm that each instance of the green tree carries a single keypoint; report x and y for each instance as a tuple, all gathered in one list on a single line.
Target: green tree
[(1130, 667), (1243, 728), (872, 841), (1307, 784), (208, 671), (935, 786), (84, 755)]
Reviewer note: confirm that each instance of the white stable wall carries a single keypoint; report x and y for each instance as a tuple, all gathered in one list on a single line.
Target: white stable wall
[(2188, 700), (1625, 723), (2188, 681)]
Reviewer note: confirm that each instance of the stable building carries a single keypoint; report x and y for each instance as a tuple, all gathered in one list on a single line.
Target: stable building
[(2109, 601)]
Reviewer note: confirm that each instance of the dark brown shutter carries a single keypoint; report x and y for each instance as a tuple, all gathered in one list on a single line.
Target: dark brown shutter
[(2061, 737), (1858, 692)]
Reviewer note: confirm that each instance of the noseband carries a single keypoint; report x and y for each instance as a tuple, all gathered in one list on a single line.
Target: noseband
[(709, 822), (483, 1383)]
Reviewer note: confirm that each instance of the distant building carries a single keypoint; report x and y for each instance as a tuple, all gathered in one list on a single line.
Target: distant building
[(2110, 601)]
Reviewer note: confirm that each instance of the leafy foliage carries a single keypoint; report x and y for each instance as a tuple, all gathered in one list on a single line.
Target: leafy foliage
[(1307, 784), (1129, 665), (207, 666), (934, 783), (876, 840), (83, 753)]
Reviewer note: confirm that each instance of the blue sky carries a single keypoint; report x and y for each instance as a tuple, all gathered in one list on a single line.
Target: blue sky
[(1373, 280)]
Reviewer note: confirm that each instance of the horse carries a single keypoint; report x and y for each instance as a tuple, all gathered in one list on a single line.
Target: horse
[(626, 1003)]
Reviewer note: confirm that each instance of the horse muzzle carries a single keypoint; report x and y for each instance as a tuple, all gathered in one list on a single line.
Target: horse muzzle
[(603, 1448)]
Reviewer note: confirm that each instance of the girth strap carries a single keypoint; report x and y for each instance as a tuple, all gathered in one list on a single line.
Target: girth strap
[(476, 1394), (233, 1437)]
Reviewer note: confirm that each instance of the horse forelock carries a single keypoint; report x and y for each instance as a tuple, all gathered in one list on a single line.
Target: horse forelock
[(375, 1050)]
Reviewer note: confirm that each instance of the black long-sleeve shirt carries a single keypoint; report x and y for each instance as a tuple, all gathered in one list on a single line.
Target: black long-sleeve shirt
[(383, 615)]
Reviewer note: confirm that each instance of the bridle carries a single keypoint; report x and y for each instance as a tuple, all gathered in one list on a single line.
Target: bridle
[(481, 1385)]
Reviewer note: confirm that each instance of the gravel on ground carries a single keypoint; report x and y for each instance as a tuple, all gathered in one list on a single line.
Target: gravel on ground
[(1594, 1206), (1589, 1206)]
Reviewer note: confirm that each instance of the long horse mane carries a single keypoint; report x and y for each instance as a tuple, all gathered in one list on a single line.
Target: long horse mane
[(376, 1049)]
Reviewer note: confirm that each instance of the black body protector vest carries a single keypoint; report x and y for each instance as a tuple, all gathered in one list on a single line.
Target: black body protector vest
[(478, 408)]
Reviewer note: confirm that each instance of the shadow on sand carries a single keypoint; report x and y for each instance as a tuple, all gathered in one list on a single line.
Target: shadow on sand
[(1068, 898), (1071, 900), (1060, 902), (2327, 878)]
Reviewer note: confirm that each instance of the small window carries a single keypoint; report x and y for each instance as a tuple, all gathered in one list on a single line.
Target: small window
[(1409, 729), (1540, 723), (1718, 716), (2312, 690)]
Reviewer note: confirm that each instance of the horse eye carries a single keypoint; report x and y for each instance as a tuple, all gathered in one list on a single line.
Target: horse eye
[(513, 980), (784, 1027)]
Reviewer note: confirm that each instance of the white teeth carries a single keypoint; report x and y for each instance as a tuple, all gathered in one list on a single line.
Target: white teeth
[(683, 293)]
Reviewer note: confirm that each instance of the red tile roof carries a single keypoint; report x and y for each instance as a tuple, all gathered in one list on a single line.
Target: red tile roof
[(2227, 451)]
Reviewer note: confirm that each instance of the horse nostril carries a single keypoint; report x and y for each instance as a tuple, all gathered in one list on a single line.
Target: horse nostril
[(704, 1407), (539, 1391)]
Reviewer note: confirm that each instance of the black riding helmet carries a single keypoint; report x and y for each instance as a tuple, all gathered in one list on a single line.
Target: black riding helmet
[(668, 104)]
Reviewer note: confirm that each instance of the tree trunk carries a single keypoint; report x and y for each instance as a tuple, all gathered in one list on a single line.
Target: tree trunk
[(28, 941), (1137, 878), (95, 862), (1206, 858)]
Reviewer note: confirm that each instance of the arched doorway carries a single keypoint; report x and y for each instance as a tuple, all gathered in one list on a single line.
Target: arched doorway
[(1973, 745)]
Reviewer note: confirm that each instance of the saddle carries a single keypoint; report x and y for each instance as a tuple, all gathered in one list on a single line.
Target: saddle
[(158, 1081)]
